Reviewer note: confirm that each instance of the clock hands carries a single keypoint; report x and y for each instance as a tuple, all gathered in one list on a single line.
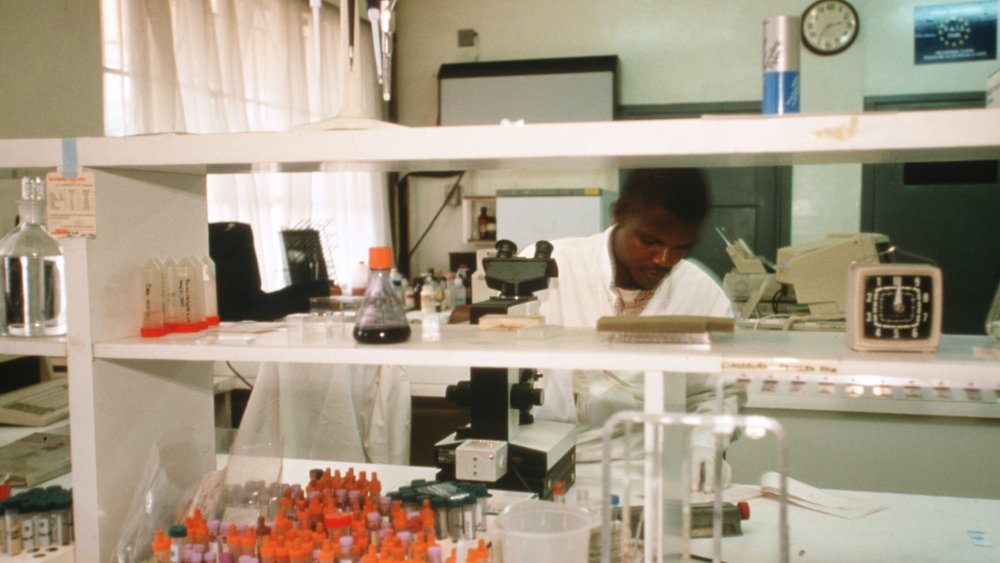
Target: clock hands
[(897, 301)]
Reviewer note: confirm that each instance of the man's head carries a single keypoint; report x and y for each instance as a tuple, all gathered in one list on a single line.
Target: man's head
[(658, 220)]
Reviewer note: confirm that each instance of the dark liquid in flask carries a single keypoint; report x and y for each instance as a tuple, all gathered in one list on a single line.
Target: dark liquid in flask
[(387, 335)]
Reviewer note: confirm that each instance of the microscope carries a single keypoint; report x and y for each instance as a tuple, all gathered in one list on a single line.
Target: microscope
[(503, 446)]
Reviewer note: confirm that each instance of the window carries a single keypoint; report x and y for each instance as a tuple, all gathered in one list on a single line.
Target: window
[(217, 66)]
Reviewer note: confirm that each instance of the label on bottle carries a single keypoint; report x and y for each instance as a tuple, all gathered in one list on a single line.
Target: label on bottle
[(70, 205)]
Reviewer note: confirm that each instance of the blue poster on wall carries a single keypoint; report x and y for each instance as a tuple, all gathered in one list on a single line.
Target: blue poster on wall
[(951, 33)]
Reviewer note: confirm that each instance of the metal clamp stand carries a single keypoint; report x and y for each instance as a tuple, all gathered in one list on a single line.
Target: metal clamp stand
[(656, 524)]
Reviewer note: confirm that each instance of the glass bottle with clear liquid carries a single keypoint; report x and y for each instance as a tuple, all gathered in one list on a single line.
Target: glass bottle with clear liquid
[(34, 288), (381, 319)]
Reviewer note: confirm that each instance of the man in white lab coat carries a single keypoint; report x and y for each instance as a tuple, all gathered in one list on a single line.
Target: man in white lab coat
[(635, 267)]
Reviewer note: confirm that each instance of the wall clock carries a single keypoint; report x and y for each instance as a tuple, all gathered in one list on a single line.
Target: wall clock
[(829, 26), (894, 307)]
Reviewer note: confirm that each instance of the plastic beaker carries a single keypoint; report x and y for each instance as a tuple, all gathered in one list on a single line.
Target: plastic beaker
[(337, 310), (544, 531)]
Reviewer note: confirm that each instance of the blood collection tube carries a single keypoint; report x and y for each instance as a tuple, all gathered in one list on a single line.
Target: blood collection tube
[(454, 504), (374, 524), (43, 537), (346, 543), (161, 547), (482, 493), (27, 524), (440, 507), (12, 523), (434, 554), (177, 534), (469, 517)]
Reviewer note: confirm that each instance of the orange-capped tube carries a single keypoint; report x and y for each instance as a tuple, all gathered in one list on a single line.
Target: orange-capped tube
[(161, 547), (325, 555), (267, 553), (248, 544)]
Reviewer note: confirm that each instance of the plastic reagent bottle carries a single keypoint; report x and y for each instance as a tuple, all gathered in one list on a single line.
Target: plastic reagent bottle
[(152, 296), (187, 287), (211, 291), (381, 319), (34, 291), (170, 312)]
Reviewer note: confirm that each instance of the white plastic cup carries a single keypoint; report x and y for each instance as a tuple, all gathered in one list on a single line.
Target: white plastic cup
[(544, 531)]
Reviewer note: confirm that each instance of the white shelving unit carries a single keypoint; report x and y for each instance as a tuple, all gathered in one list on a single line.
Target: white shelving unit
[(130, 397)]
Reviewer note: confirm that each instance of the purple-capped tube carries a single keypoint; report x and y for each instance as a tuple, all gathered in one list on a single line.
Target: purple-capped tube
[(434, 554)]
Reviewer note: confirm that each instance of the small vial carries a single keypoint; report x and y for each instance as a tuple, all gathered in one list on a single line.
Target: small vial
[(558, 492), (43, 537), (434, 554), (430, 327), (469, 517), (455, 504), (346, 543), (12, 524), (161, 547), (178, 535), (427, 296), (27, 526), (481, 493), (440, 507), (373, 525)]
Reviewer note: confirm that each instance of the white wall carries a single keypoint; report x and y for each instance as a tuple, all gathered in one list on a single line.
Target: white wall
[(50, 69), (50, 78), (670, 52)]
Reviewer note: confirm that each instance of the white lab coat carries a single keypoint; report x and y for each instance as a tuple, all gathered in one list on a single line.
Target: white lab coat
[(581, 294), (331, 412)]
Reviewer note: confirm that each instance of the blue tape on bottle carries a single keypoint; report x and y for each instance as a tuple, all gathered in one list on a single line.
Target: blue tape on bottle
[(781, 93), (69, 163)]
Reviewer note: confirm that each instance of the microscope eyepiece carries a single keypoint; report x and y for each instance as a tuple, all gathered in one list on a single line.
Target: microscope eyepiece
[(543, 250), (506, 248)]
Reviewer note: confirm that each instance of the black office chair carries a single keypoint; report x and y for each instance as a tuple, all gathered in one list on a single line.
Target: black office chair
[(237, 274)]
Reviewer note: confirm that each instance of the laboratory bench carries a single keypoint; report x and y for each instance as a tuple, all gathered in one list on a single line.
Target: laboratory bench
[(901, 528), (129, 396)]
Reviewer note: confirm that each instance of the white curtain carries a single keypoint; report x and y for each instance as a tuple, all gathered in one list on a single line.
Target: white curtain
[(213, 66)]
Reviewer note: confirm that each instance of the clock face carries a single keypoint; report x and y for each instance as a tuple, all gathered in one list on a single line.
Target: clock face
[(829, 26), (898, 307), (894, 307)]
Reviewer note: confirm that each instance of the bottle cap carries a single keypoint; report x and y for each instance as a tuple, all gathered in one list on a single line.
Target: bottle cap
[(177, 531), (744, 507), (152, 332), (380, 257)]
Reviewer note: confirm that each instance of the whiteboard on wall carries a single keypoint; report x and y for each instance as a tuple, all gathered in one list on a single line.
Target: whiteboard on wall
[(537, 91), (528, 216)]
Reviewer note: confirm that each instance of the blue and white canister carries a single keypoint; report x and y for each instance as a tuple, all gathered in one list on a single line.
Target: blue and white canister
[(781, 65)]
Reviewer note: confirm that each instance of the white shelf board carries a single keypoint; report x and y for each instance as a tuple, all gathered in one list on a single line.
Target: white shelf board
[(746, 140), (50, 346), (30, 153), (959, 362)]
